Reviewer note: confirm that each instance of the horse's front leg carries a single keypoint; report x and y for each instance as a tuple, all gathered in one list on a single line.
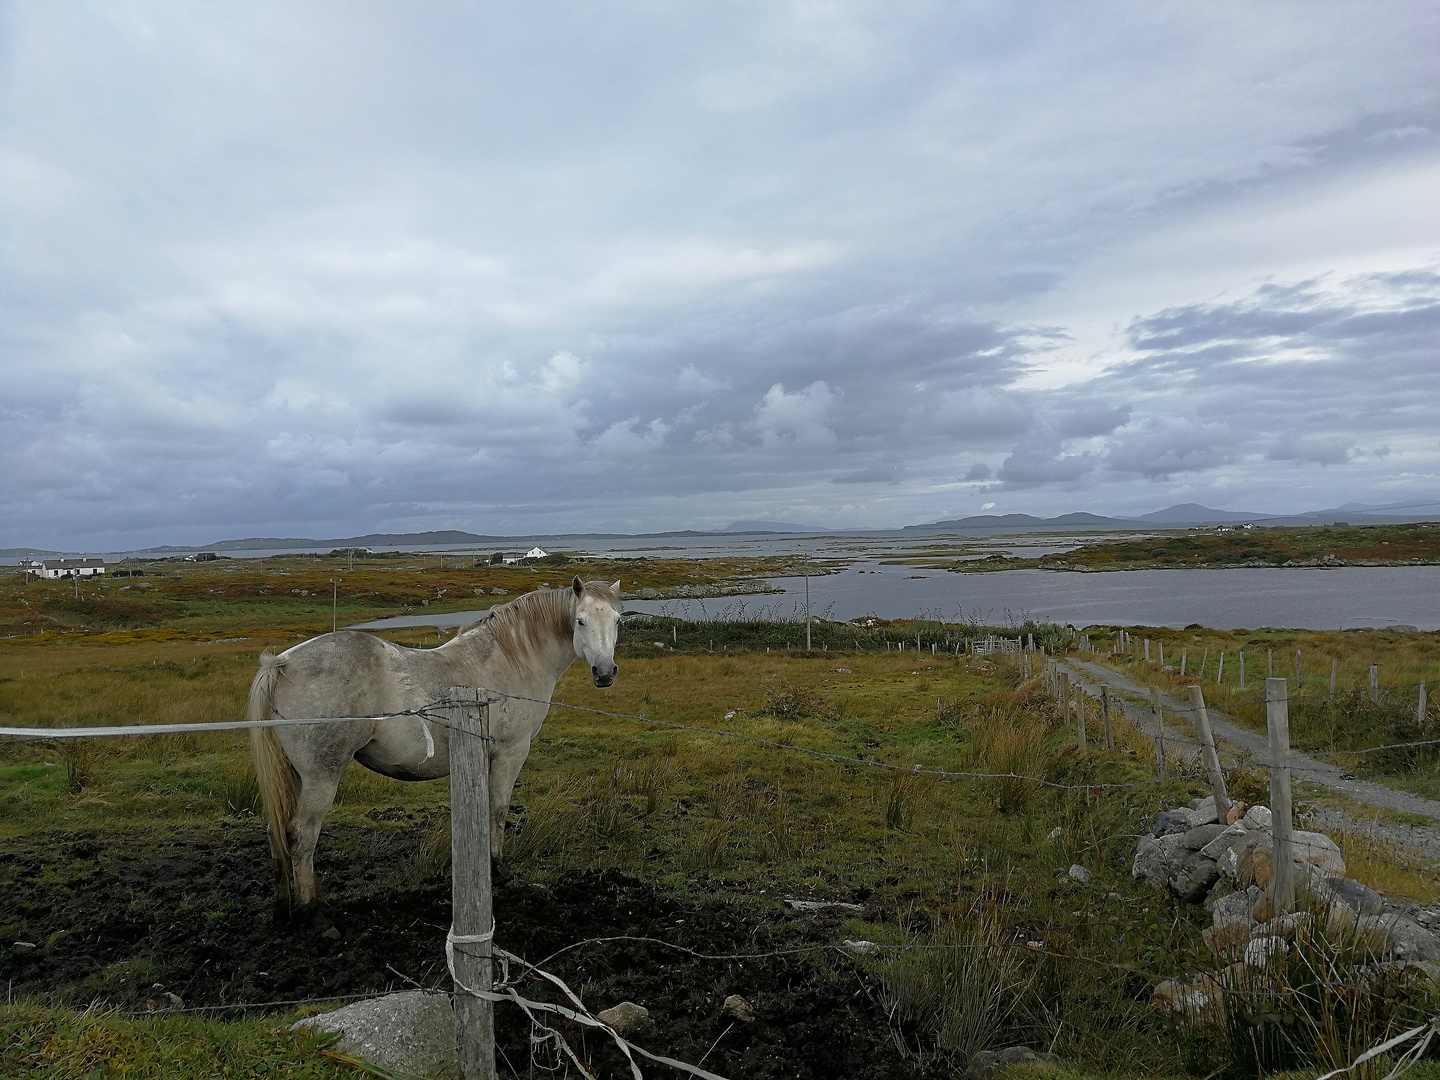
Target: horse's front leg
[(505, 767)]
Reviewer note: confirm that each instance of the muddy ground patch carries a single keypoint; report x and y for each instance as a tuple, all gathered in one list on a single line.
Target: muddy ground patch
[(128, 919)]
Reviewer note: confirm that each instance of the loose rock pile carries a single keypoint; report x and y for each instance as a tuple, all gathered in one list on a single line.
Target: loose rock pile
[(1229, 867)]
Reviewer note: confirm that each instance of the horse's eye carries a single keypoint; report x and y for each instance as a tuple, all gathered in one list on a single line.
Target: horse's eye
[(580, 622)]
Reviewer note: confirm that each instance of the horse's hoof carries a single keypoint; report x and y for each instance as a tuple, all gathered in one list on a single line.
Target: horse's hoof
[(500, 874)]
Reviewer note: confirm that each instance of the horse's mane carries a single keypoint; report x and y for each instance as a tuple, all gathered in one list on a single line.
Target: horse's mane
[(526, 624)]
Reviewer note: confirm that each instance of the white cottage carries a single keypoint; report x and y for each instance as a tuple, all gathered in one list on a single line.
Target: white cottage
[(534, 553), (63, 568)]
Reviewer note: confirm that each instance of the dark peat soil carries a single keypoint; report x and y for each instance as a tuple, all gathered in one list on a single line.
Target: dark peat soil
[(129, 919)]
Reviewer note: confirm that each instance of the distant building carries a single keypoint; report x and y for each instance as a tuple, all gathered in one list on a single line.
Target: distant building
[(508, 558), (63, 568), (202, 556)]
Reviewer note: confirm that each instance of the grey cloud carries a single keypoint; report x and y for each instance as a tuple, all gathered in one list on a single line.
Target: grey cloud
[(301, 269), (1321, 450), (1161, 447), (978, 471)]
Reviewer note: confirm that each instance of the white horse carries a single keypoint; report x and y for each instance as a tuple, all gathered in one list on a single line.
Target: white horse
[(522, 648)]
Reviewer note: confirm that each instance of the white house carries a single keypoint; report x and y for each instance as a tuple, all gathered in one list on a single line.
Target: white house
[(533, 553), (62, 568)]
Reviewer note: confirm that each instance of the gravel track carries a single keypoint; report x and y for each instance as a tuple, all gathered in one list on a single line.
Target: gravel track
[(1422, 841)]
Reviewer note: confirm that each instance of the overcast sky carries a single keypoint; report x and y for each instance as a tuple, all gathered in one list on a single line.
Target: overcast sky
[(317, 269)]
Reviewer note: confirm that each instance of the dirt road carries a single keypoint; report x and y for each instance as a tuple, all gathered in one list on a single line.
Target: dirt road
[(1134, 701)]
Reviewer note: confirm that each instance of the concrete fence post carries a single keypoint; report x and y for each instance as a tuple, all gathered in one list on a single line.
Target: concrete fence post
[(1277, 723), (1079, 698), (1333, 665), (1420, 708), (1105, 717), (1375, 683)]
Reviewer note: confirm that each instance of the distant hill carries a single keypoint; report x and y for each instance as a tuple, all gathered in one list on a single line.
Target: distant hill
[(771, 526), (1002, 522), (1180, 515), (1195, 514), (444, 536), (26, 553)]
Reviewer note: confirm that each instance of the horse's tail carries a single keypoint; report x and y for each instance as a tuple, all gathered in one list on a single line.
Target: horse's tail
[(278, 781)]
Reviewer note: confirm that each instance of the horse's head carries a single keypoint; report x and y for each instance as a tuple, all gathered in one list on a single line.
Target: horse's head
[(597, 624)]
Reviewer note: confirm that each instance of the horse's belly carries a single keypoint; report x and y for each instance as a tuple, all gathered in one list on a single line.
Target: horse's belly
[(406, 750)]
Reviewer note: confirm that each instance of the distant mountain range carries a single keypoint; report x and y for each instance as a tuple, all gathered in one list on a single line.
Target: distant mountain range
[(771, 527), (1181, 514)]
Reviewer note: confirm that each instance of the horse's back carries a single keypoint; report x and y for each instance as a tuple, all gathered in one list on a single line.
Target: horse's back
[(347, 674)]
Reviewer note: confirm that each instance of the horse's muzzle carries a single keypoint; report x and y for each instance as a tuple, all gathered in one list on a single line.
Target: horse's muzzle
[(603, 676)]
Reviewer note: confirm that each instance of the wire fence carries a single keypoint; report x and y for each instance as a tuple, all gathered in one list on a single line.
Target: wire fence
[(575, 1013)]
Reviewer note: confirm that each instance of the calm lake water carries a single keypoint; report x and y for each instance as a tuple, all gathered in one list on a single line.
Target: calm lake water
[(1339, 599)]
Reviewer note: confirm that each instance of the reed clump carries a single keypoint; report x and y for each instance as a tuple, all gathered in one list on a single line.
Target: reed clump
[(1318, 1001), (962, 985)]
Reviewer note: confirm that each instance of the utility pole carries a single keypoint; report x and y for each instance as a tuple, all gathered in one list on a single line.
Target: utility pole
[(334, 601)]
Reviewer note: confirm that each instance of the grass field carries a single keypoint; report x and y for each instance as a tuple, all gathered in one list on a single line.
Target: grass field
[(1208, 549), (1321, 721), (698, 815)]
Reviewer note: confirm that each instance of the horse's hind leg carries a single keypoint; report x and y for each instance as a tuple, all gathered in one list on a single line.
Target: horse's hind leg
[(317, 795)]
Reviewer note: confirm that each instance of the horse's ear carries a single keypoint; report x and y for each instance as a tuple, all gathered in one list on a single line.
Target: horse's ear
[(616, 585), (579, 588)]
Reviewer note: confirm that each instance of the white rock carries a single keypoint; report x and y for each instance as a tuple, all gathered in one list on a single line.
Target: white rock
[(861, 946), (1223, 842), (627, 1016), (411, 1033), (1257, 817), (823, 905), (1260, 950), (1236, 906), (1204, 814), (1055, 833), (737, 1007), (1080, 874), (1319, 849)]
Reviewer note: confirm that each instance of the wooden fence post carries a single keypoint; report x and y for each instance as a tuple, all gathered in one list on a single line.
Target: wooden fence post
[(1277, 722), (1207, 751), (1105, 715), (1297, 671), (1204, 659), (1333, 665), (473, 917), (1062, 692), (1375, 682), (1079, 698), (1162, 652), (1147, 650), (1220, 670), (1184, 654), (1420, 706), (1159, 730), (1242, 669)]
